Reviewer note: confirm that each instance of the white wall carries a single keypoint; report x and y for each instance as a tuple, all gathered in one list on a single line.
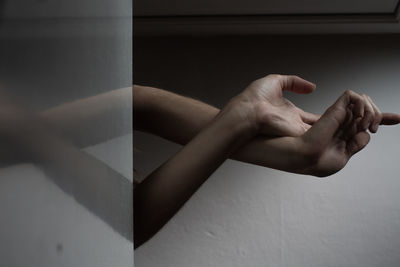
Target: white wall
[(246, 215), (47, 63), (42, 226)]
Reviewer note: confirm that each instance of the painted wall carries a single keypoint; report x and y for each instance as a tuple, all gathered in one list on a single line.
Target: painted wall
[(246, 215), (47, 63)]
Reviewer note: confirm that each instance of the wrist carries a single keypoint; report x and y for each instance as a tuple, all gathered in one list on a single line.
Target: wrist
[(309, 156), (240, 118)]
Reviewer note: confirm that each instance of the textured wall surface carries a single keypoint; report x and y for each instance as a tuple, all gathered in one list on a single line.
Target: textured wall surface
[(246, 215)]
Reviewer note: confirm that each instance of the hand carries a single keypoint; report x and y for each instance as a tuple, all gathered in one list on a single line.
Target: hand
[(341, 132), (327, 146), (272, 113)]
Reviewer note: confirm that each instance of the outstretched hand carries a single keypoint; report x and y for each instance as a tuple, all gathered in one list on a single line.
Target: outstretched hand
[(306, 143), (276, 115), (342, 131)]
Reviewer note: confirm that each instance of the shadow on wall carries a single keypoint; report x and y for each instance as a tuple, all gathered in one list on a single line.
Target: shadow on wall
[(53, 139)]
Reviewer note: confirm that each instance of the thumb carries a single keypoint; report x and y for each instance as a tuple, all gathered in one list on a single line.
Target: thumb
[(296, 84)]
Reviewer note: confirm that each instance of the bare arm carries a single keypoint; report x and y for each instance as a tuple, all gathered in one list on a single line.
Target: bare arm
[(164, 191), (179, 119), (171, 116), (94, 119), (324, 149)]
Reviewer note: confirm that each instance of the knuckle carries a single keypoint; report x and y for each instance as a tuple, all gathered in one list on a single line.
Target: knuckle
[(276, 79), (348, 92), (274, 76)]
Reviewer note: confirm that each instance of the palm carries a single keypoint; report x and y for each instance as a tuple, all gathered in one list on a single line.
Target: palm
[(277, 115), (333, 159), (281, 117)]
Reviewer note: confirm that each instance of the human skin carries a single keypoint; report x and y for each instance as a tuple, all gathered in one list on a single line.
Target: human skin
[(179, 119), (313, 146), (250, 128), (94, 119)]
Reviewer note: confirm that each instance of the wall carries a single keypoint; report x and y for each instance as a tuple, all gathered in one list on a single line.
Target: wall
[(48, 9), (46, 63), (246, 215)]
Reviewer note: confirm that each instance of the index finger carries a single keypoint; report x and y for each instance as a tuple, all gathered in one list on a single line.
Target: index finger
[(390, 119)]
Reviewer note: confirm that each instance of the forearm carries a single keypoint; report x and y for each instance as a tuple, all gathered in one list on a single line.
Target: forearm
[(290, 154), (179, 119), (94, 119), (162, 194), (168, 115)]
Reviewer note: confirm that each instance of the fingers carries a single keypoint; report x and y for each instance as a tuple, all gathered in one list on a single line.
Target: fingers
[(349, 97), (337, 116), (390, 119), (369, 114), (377, 118), (296, 84), (373, 117), (308, 117), (357, 143), (350, 126), (349, 116), (365, 111), (337, 121)]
